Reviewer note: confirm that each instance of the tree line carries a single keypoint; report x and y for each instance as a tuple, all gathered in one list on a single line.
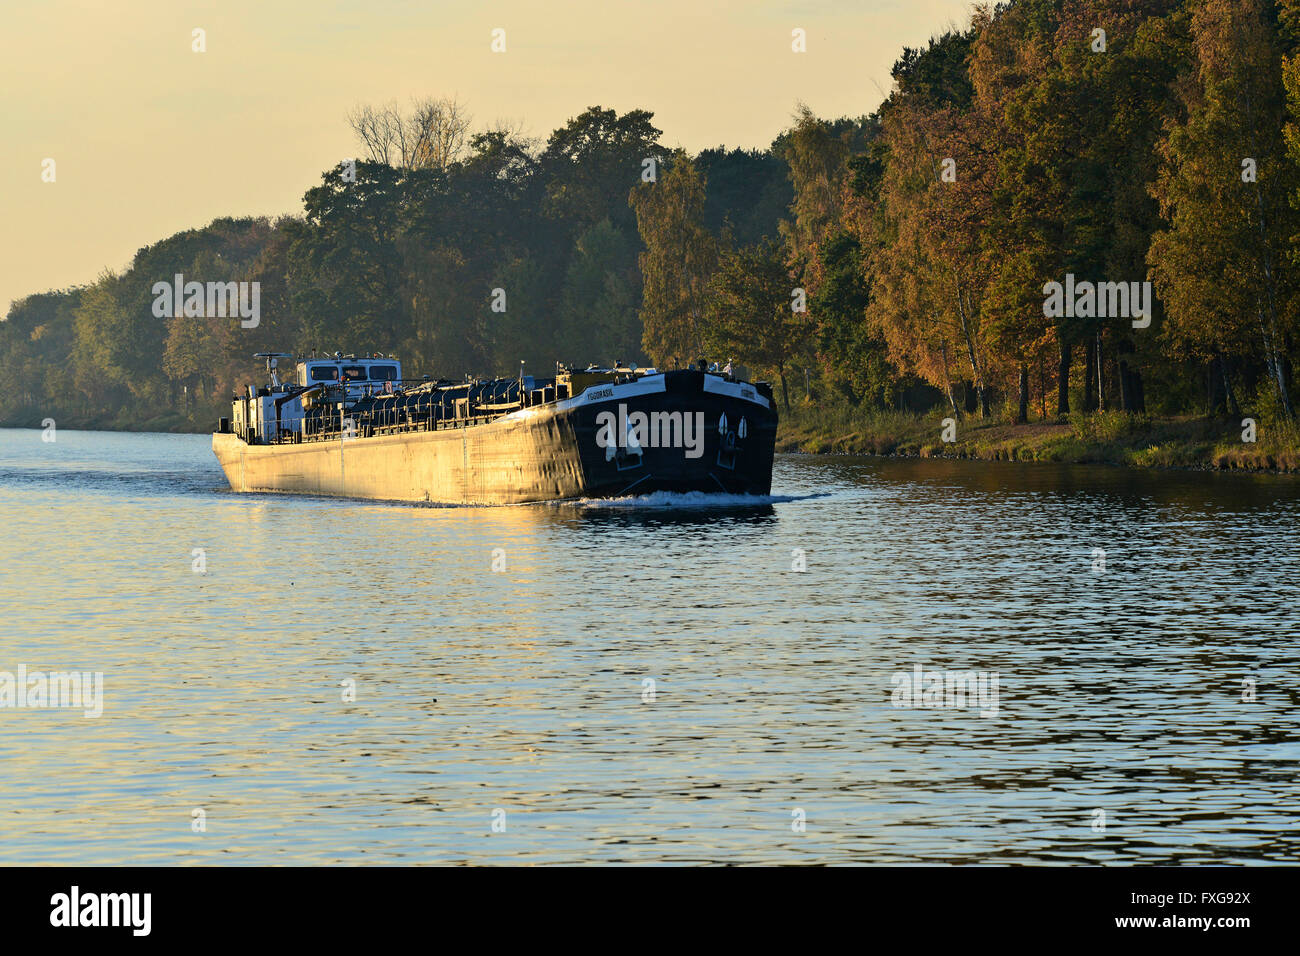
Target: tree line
[(901, 259)]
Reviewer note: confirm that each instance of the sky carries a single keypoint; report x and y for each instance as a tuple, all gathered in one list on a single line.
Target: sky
[(149, 137)]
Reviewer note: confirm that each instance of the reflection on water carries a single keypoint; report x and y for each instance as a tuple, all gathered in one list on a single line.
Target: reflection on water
[(524, 689)]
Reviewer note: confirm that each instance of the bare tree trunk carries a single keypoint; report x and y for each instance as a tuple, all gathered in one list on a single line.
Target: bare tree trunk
[(1089, 376), (1273, 362), (1101, 379), (977, 374), (1121, 372), (1042, 389), (947, 379), (1063, 376), (1270, 336), (1288, 372), (1275, 359), (1022, 408)]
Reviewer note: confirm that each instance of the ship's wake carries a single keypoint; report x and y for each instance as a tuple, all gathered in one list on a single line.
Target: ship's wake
[(687, 501)]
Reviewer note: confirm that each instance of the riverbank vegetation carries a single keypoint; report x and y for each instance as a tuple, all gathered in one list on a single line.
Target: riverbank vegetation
[(976, 249), (1110, 438)]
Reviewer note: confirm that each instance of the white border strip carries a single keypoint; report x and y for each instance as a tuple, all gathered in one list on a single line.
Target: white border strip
[(742, 390), (647, 385), (606, 392)]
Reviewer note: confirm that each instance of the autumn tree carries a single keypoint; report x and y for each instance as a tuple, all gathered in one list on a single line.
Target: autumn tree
[(679, 258), (1223, 187), (930, 269)]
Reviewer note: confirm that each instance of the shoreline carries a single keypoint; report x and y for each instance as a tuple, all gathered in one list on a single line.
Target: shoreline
[(1206, 468), (1097, 438), (1190, 443)]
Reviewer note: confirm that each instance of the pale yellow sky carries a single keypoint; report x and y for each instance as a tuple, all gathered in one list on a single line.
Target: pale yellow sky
[(150, 138)]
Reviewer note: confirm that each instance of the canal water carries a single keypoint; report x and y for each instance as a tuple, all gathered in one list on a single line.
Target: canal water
[(1106, 668)]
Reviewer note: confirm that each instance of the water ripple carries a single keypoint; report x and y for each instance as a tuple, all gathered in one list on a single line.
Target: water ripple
[(1162, 691)]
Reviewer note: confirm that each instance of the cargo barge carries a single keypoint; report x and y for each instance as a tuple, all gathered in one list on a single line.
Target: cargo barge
[(352, 427)]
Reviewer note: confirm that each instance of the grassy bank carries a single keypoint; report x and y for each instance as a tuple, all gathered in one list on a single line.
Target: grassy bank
[(1098, 437)]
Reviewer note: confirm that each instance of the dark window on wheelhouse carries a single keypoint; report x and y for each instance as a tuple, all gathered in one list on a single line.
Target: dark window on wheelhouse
[(323, 373), (383, 373)]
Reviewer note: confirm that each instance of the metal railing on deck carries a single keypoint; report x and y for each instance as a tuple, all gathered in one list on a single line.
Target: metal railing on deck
[(370, 423)]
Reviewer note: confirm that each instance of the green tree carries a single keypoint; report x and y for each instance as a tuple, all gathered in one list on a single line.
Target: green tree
[(749, 314), (591, 162), (598, 316), (349, 289)]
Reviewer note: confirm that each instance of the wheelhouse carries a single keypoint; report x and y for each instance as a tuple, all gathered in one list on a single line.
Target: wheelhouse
[(362, 376)]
